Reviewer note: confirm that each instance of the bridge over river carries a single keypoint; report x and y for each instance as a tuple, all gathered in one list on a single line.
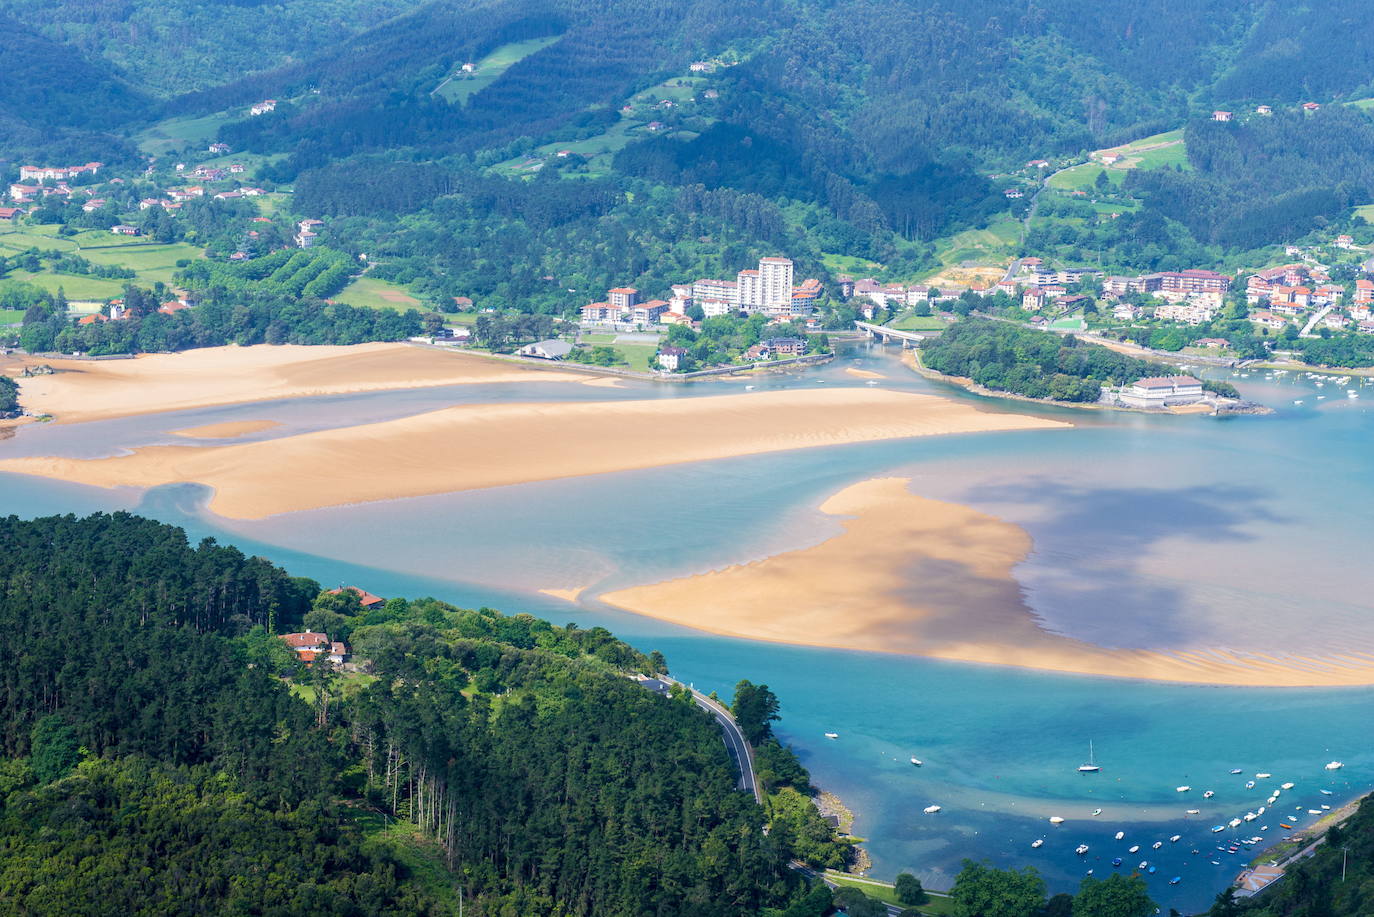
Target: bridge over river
[(888, 335)]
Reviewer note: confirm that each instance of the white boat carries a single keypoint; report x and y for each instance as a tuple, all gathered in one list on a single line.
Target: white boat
[(1234, 823), (931, 810), (1134, 848), (1037, 842), (1157, 844), (1081, 849), (1314, 811), (1182, 789), (1056, 820), (1096, 812), (1286, 786), (1208, 795), (1299, 401), (1120, 835), (1250, 816), (916, 761), (1236, 770), (1091, 767), (1335, 766), (1260, 810), (832, 735), (1326, 808), (1327, 793), (1176, 838), (1249, 784), (1144, 864), (1194, 812), (1263, 776)]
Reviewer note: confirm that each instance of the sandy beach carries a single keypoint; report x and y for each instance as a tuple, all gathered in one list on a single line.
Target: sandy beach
[(923, 577), (228, 430), (85, 390), (489, 445), (863, 373)]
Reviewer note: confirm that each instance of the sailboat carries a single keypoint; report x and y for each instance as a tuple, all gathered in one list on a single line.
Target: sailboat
[(1091, 767)]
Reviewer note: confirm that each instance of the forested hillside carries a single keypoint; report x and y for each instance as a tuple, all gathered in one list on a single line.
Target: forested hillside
[(162, 752), (173, 46)]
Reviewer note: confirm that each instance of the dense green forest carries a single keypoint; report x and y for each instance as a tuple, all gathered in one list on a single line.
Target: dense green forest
[(1007, 357), (184, 761)]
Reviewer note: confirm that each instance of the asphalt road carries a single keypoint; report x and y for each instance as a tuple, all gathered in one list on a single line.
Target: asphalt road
[(734, 738)]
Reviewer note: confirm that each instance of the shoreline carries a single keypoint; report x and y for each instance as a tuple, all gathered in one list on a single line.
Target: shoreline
[(81, 390), (913, 362), (920, 577), (523, 442)]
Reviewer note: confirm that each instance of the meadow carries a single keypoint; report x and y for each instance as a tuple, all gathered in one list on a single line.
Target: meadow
[(459, 87)]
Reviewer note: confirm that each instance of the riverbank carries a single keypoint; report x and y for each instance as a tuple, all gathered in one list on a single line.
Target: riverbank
[(86, 390), (490, 445), (915, 576)]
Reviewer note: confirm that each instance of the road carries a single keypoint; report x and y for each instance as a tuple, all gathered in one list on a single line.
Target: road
[(1312, 322), (734, 739)]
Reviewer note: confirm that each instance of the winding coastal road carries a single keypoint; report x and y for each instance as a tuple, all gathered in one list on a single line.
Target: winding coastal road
[(735, 743)]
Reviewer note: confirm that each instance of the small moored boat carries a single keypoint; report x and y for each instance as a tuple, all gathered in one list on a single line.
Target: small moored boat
[(1176, 838), (1096, 812), (1056, 820), (1037, 842), (832, 735), (1116, 861), (1120, 835), (1194, 812), (1217, 829), (1327, 793), (916, 761), (1208, 795), (1263, 776), (1335, 766), (1175, 880), (1081, 849), (931, 810), (1182, 789), (1236, 770), (1286, 786), (1134, 849)]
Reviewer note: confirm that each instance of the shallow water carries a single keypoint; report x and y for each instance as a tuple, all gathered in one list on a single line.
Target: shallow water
[(1156, 532)]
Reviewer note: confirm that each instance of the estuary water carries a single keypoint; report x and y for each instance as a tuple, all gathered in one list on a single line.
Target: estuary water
[(1245, 533)]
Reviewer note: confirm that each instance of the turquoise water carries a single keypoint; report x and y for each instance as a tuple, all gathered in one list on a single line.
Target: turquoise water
[(1149, 532)]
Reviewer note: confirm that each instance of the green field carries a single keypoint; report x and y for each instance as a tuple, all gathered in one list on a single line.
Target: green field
[(849, 264), (938, 904), (373, 293), (1084, 177), (11, 316), (1365, 211), (175, 133), (636, 356), (993, 244), (44, 237), (595, 338), (150, 262), (462, 86), (910, 321), (72, 285)]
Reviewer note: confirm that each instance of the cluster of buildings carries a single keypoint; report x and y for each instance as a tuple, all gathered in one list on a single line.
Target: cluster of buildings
[(767, 289), (306, 233), (310, 646), (1162, 392), (58, 173), (1304, 295)]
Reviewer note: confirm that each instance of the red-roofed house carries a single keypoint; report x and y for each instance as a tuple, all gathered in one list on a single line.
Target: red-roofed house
[(1162, 391), (365, 598)]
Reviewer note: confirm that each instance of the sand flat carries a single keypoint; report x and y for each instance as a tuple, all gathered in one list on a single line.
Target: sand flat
[(228, 430), (86, 390), (489, 445), (923, 577)]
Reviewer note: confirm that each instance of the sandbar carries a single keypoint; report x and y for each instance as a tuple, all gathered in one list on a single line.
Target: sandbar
[(568, 595), (864, 373), (84, 390), (228, 430), (474, 446), (916, 576)]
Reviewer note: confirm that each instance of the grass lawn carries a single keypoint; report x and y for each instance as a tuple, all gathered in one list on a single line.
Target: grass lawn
[(422, 857), (913, 322), (461, 86), (596, 338), (374, 293), (636, 356), (11, 316), (74, 286), (462, 318), (270, 204), (1365, 211), (151, 262), (938, 904)]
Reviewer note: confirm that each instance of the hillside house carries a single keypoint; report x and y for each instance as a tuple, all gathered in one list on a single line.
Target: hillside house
[(219, 148), (1264, 110), (9, 214), (366, 599), (263, 107), (785, 347), (22, 194), (1212, 343), (1221, 116), (1267, 320), (123, 229)]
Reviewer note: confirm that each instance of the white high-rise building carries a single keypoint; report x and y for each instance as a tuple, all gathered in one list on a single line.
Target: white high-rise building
[(750, 291), (724, 290), (775, 285)]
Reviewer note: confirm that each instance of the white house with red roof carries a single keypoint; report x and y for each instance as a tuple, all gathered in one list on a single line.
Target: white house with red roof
[(1162, 392)]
